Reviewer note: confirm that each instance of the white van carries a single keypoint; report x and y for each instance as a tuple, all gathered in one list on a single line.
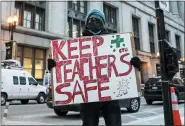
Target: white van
[(18, 84)]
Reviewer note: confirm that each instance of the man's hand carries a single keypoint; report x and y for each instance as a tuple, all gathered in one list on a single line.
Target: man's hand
[(136, 62), (51, 64)]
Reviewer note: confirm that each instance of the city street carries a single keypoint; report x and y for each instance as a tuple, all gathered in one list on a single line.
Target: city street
[(35, 114)]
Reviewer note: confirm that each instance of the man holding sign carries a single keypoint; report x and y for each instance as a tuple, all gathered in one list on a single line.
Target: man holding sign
[(90, 108)]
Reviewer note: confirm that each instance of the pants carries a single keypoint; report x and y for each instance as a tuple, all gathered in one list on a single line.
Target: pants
[(111, 112)]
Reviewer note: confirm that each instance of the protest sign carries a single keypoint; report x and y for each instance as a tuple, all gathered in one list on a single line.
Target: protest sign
[(93, 68)]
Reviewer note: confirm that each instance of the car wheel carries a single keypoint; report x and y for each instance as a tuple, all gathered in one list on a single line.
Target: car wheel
[(134, 105), (149, 102), (3, 99), (60, 112), (41, 98), (25, 101)]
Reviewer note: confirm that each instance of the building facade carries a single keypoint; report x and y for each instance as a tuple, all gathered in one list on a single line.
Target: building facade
[(40, 22)]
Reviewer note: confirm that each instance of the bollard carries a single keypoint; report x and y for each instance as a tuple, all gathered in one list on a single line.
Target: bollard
[(5, 112)]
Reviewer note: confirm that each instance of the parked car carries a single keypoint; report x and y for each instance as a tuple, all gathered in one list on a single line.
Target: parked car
[(153, 89), (18, 84), (132, 105)]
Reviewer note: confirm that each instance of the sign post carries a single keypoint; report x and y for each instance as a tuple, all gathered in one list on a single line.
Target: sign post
[(167, 106)]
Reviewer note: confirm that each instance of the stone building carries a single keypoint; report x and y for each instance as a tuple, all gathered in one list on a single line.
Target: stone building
[(41, 22)]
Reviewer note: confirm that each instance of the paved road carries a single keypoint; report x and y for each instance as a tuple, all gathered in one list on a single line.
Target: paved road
[(33, 113)]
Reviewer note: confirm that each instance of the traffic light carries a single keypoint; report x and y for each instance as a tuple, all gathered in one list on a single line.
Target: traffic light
[(171, 59), (9, 48)]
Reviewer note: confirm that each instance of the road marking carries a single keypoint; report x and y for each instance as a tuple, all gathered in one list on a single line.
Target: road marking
[(34, 115), (150, 119), (132, 114), (144, 119), (11, 122)]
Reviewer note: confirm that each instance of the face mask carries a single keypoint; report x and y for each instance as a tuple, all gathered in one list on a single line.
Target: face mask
[(95, 26)]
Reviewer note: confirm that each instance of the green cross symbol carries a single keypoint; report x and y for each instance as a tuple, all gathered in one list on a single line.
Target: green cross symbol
[(117, 41)]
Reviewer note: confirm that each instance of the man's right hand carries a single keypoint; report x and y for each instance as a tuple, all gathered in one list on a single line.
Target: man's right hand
[(51, 64)]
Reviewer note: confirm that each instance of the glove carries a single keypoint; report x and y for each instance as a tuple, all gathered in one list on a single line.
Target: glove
[(136, 62), (51, 64)]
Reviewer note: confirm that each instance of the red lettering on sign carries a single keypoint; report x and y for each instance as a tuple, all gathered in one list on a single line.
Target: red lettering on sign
[(78, 92), (70, 49), (81, 69), (125, 62), (91, 68), (112, 65), (100, 89), (57, 50), (66, 71), (100, 66), (97, 41), (86, 89), (59, 91), (58, 71), (81, 41), (76, 70)]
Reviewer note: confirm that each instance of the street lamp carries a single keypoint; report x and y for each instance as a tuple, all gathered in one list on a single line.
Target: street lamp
[(10, 46), (182, 60), (157, 54), (12, 24)]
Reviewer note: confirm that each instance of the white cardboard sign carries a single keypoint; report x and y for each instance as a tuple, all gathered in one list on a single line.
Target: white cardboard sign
[(93, 68)]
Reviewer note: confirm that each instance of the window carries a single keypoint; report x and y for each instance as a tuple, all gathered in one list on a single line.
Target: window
[(168, 36), (39, 20), (31, 81), (31, 14), (78, 6), (33, 60), (177, 81), (28, 57), (135, 25), (75, 27), (15, 80), (151, 38), (39, 57), (76, 17), (75, 31), (27, 22), (82, 6), (81, 29), (180, 82), (178, 46), (22, 80), (110, 18), (152, 81)]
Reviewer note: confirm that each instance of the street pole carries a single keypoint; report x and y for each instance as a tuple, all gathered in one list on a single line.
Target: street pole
[(167, 106), (11, 45), (0, 51), (11, 34), (184, 47)]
